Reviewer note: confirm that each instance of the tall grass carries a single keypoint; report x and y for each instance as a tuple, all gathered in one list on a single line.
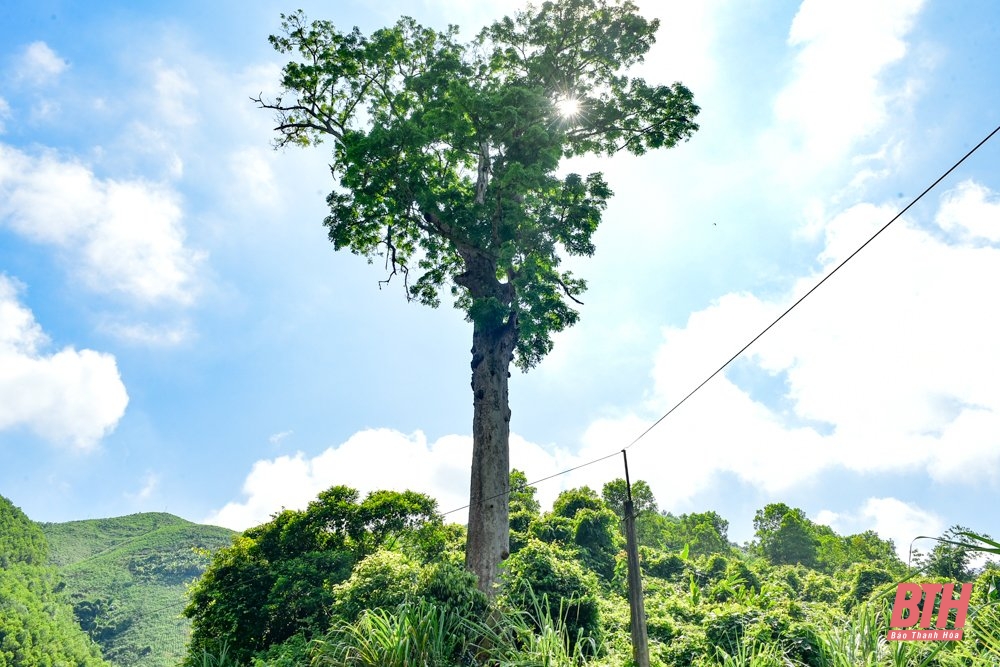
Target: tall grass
[(417, 635), (219, 658), (538, 639), (422, 634), (861, 642), (425, 635), (753, 655)]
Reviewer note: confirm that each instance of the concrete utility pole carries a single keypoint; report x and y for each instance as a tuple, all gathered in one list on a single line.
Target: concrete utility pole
[(640, 641)]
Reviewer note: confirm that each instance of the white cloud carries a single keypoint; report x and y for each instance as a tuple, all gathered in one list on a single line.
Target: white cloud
[(892, 519), (891, 365), (439, 468), (39, 64), (152, 149), (253, 179), (684, 42), (888, 367), (140, 333), (121, 236), (836, 95), (73, 397), (277, 438), (4, 114), (175, 94), (150, 483), (971, 211)]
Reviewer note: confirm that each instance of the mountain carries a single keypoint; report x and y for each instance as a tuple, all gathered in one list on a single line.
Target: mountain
[(127, 579), (36, 624)]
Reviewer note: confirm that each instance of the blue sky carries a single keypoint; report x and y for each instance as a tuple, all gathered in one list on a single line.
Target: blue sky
[(176, 333)]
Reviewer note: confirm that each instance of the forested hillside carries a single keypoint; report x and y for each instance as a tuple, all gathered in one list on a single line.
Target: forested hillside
[(379, 581), (127, 581), (36, 624)]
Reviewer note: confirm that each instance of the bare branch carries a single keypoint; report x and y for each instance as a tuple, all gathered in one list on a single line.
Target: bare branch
[(396, 266), (320, 123), (566, 289)]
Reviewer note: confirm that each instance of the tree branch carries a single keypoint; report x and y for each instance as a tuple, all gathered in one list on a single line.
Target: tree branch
[(391, 260), (288, 128), (566, 289)]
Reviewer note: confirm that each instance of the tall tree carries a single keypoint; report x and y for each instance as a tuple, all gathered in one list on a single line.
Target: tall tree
[(947, 559), (615, 493), (785, 536), (445, 159)]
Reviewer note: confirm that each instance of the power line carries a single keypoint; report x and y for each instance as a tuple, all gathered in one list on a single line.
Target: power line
[(537, 481), (764, 331), (815, 287)]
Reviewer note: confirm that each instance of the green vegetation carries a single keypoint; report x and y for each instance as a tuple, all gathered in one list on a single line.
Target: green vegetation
[(37, 627), (380, 582), (447, 160), (127, 580)]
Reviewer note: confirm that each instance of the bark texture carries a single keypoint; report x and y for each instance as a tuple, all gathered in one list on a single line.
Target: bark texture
[(493, 341), (489, 524)]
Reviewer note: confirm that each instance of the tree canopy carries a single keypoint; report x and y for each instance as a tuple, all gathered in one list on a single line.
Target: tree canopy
[(36, 622), (446, 160), (615, 493), (276, 580), (445, 154)]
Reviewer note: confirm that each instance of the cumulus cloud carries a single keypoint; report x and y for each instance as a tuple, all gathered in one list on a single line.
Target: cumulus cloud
[(253, 179), (120, 236), (39, 64), (889, 366), (371, 460), (972, 211), (891, 518), (70, 396), (684, 42), (836, 94)]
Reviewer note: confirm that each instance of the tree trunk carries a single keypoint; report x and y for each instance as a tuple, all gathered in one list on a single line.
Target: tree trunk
[(489, 526)]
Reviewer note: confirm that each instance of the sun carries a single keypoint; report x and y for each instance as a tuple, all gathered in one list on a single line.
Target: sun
[(568, 107)]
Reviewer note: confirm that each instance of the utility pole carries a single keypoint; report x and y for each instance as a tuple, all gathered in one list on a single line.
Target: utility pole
[(640, 641)]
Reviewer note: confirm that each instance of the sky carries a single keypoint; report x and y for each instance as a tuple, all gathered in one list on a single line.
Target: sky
[(177, 334)]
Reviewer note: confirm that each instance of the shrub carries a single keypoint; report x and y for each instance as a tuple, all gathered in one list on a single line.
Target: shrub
[(713, 567), (552, 529), (382, 580), (864, 580), (596, 534), (657, 563), (553, 576)]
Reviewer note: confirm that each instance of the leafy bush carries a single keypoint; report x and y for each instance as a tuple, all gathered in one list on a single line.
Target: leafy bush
[(818, 587), (864, 580), (452, 588), (383, 580), (553, 576), (36, 623), (660, 564), (571, 501), (596, 533), (553, 529)]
